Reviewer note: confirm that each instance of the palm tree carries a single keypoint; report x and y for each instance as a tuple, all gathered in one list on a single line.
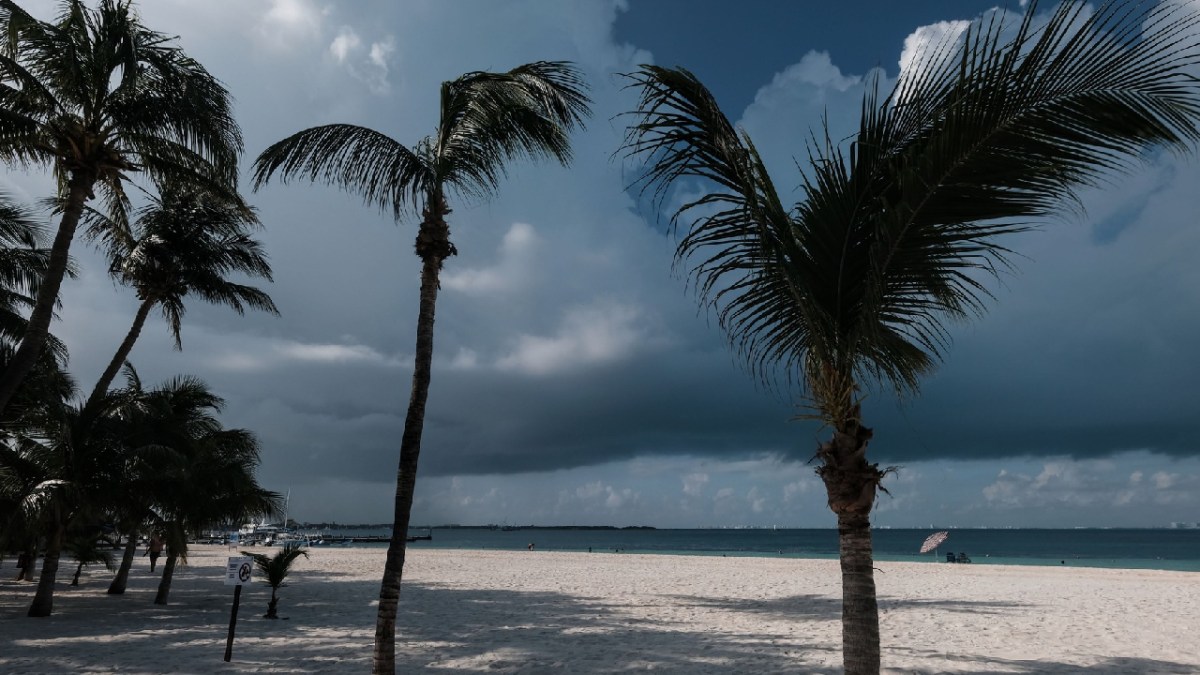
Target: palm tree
[(86, 549), (22, 265), (206, 476), (487, 119), (853, 284), (186, 241), (96, 96), (72, 454), (132, 506), (275, 569)]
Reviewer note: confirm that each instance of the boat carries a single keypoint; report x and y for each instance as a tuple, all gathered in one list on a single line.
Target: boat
[(428, 536)]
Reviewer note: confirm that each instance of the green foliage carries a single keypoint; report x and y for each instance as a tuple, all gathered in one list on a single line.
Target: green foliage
[(487, 119), (979, 140), (95, 90), (86, 549), (275, 568)]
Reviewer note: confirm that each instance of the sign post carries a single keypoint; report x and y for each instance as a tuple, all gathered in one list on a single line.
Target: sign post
[(238, 571)]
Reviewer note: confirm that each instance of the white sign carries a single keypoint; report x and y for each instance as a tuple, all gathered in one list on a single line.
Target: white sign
[(238, 570)]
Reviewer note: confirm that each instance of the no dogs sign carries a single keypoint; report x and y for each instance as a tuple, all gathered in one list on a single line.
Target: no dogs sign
[(238, 570)]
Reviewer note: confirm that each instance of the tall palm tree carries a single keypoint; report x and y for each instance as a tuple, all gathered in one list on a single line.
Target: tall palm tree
[(186, 241), (853, 284), (487, 119), (96, 96)]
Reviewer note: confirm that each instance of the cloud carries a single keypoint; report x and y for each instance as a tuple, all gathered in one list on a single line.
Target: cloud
[(1090, 484), (369, 64), (928, 43), (289, 22), (346, 41), (517, 255), (693, 483), (588, 336)]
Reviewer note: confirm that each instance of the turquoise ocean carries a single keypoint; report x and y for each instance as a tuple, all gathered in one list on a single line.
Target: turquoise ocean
[(1165, 549)]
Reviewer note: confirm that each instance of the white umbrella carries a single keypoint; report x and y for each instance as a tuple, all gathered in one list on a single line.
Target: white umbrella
[(933, 541)]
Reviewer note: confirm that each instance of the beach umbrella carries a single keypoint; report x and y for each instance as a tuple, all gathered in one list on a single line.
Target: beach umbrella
[(933, 541)]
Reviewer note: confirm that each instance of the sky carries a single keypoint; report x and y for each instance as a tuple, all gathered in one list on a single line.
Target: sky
[(575, 379)]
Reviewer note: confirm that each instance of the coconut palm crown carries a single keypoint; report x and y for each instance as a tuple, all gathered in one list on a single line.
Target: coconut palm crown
[(97, 97), (185, 242), (854, 284), (486, 120)]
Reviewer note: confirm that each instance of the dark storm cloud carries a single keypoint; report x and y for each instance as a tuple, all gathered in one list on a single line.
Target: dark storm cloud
[(564, 344)]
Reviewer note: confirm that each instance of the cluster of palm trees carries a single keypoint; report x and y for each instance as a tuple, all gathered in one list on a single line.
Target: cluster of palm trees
[(101, 101), (851, 286)]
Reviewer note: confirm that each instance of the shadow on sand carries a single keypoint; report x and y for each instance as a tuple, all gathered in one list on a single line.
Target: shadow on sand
[(331, 630)]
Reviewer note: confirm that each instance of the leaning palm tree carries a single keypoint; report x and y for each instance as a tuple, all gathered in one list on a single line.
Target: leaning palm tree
[(186, 241), (487, 119), (275, 569), (96, 96), (853, 285)]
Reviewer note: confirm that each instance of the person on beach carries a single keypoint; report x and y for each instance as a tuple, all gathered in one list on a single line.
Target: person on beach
[(154, 550)]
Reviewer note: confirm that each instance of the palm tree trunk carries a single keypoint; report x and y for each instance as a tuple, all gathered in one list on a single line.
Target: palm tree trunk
[(118, 359), (78, 571), (273, 605), (860, 612), (164, 585), (23, 360), (433, 246), (117, 587), (851, 483), (43, 600), (30, 558)]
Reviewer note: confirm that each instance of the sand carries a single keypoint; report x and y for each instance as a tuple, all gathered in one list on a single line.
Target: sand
[(532, 612)]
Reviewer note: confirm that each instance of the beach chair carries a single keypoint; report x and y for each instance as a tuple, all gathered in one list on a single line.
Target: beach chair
[(950, 556), (962, 558)]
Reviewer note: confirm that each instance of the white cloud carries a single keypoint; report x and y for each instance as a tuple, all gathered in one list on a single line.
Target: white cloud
[(334, 353), (1089, 484), (289, 21), (929, 42), (592, 335), (345, 42), (372, 67), (1164, 480), (590, 490), (512, 271), (693, 483)]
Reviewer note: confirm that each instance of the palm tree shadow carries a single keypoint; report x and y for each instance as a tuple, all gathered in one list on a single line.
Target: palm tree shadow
[(526, 631), (503, 631), (1116, 665), (829, 608)]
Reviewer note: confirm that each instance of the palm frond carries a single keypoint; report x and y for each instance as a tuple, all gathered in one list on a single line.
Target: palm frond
[(896, 233), (488, 119), (357, 159)]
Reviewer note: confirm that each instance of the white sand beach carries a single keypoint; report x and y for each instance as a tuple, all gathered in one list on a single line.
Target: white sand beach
[(532, 612)]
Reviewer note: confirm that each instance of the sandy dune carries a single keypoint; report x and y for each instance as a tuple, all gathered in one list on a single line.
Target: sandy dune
[(531, 612)]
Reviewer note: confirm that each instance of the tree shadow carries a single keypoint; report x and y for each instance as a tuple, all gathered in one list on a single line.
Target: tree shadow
[(446, 626), (829, 608), (1115, 665), (438, 626)]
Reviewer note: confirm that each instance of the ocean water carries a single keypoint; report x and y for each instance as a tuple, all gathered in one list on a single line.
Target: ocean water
[(1165, 549)]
